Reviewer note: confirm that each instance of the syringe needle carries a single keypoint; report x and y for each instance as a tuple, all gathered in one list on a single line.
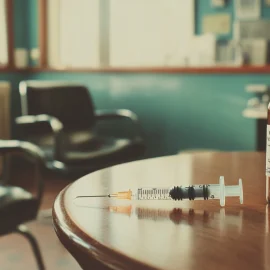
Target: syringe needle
[(97, 196), (118, 195)]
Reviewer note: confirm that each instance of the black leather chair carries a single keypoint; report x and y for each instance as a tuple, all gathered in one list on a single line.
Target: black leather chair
[(60, 118), (18, 206)]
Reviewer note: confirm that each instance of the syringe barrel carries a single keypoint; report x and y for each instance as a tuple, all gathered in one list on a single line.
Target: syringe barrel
[(193, 192), (214, 191)]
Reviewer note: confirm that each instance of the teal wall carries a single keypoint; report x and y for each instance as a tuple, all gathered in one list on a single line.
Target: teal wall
[(177, 111), (20, 15), (26, 25)]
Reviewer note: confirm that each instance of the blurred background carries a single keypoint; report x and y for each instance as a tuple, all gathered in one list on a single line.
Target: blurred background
[(182, 66), (191, 75)]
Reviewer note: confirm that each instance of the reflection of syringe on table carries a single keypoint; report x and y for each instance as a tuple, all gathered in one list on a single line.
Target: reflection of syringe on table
[(176, 215), (193, 192), (224, 220)]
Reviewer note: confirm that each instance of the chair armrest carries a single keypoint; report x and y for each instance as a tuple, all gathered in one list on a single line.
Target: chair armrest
[(120, 114), (55, 124), (30, 151)]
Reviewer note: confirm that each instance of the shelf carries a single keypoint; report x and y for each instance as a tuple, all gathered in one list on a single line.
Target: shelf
[(183, 70), (13, 69), (255, 114), (257, 88)]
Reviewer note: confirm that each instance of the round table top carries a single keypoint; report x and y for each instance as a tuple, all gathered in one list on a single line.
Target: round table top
[(137, 234)]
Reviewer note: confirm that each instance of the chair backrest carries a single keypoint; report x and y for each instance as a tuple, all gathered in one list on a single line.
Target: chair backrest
[(70, 103)]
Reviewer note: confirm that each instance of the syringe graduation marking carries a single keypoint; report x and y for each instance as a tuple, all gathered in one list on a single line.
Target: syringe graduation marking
[(153, 194), (180, 193)]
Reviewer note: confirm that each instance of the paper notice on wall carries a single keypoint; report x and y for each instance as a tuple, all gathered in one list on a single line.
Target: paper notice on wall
[(217, 24)]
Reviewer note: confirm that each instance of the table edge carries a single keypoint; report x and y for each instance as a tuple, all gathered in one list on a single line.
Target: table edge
[(108, 257)]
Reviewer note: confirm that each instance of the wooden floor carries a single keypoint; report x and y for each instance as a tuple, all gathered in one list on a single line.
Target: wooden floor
[(15, 251)]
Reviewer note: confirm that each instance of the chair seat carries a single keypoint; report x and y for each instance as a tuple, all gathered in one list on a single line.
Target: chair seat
[(13, 204), (106, 149), (85, 151), (86, 148)]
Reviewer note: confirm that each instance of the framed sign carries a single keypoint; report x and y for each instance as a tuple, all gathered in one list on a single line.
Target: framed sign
[(253, 29), (218, 3), (247, 9)]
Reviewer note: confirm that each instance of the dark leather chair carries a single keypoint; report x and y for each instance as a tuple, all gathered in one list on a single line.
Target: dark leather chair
[(60, 118), (18, 206)]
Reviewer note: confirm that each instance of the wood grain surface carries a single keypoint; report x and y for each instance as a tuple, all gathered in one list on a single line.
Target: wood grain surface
[(106, 233)]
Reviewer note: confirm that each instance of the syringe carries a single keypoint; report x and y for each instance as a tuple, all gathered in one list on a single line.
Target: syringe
[(192, 192)]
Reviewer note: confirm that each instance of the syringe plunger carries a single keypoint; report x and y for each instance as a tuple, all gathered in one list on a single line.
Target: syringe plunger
[(205, 192)]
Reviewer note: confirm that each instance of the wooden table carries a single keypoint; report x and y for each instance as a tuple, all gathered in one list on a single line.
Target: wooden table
[(106, 233)]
